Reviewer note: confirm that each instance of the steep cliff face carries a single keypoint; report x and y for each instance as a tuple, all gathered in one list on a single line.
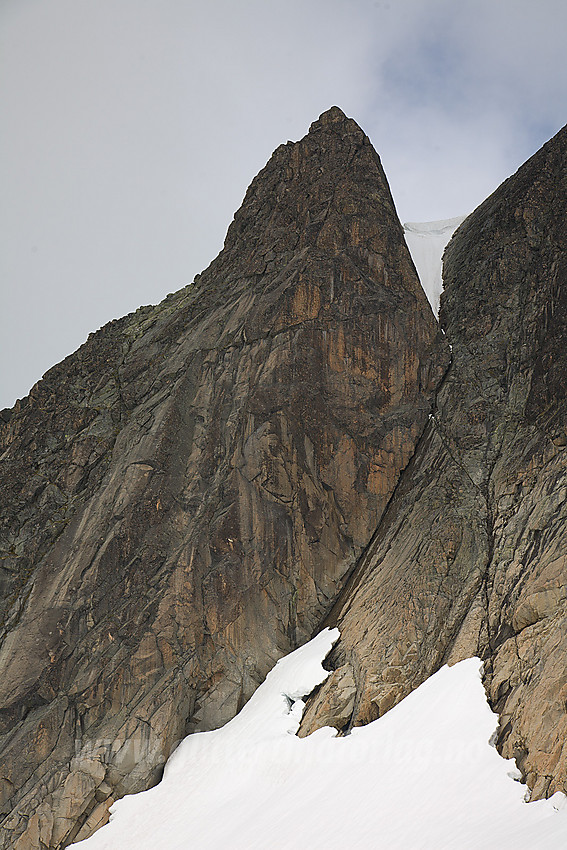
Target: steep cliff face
[(184, 496), (521, 322), (470, 555)]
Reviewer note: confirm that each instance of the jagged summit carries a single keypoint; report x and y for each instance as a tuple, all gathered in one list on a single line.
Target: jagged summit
[(332, 115), (336, 119), (327, 191)]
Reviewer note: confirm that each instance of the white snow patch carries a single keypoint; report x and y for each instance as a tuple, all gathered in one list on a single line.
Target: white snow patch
[(423, 776), (426, 242)]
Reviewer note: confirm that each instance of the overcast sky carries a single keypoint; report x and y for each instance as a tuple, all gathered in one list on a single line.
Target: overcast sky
[(131, 129)]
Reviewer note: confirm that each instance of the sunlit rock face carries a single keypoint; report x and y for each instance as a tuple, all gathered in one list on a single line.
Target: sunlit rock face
[(183, 497), (470, 556)]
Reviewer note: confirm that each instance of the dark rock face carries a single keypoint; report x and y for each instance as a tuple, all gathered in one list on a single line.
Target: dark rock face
[(523, 316), (470, 557), (184, 496)]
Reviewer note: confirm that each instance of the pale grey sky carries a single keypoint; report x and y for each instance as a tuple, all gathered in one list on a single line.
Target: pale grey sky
[(131, 129)]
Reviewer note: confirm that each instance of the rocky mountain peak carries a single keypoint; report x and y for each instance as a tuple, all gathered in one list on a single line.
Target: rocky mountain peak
[(327, 192), (334, 120), (287, 443), (185, 495), (333, 115)]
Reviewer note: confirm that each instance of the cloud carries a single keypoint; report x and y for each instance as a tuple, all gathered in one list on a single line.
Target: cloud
[(463, 94), (134, 128)]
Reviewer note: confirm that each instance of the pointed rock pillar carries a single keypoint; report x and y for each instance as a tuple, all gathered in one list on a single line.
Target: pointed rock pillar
[(184, 496)]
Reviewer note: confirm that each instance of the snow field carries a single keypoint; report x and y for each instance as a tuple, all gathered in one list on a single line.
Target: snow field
[(423, 777)]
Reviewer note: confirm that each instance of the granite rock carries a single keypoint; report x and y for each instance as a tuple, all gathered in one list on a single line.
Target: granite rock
[(469, 557), (184, 497)]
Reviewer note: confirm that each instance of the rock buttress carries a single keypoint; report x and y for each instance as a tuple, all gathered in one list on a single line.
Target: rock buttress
[(184, 496), (470, 557)]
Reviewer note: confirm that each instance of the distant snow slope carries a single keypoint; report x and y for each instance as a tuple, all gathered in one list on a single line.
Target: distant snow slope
[(423, 776), (426, 242)]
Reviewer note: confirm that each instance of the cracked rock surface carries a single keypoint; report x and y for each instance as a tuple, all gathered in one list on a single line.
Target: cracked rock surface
[(183, 498), (470, 556)]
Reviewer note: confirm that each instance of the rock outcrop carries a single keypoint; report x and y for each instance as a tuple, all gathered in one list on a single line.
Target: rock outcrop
[(184, 497), (470, 557)]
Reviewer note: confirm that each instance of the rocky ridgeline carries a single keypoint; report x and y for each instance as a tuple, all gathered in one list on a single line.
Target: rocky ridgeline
[(288, 443)]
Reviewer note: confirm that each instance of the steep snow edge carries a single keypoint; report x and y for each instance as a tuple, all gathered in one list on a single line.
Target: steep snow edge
[(426, 242)]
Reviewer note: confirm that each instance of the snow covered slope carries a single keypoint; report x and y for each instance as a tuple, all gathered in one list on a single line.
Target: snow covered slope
[(426, 242), (423, 776)]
